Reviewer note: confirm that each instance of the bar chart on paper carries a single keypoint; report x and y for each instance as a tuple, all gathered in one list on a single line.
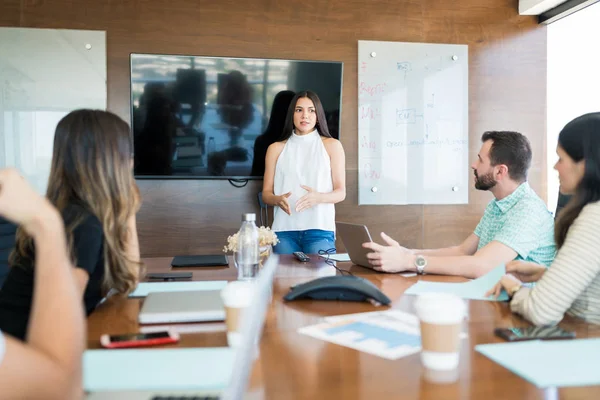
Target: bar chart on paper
[(389, 334)]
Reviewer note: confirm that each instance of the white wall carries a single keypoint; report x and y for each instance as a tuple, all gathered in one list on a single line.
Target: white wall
[(573, 78)]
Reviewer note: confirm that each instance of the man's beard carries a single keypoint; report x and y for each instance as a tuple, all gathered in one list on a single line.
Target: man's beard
[(484, 182)]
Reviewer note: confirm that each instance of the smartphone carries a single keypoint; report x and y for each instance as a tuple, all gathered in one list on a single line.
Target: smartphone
[(533, 333), (139, 339), (169, 275)]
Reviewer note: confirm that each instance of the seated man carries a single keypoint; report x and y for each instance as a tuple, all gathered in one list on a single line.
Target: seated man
[(515, 225)]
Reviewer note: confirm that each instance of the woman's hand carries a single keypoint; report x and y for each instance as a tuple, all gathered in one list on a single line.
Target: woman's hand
[(508, 283), (20, 203), (283, 203), (525, 271), (308, 200)]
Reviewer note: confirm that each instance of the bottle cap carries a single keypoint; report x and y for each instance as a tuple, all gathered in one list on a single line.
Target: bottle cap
[(249, 217)]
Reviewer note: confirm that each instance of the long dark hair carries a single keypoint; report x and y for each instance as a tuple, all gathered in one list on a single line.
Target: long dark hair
[(321, 125), (580, 139), (91, 166)]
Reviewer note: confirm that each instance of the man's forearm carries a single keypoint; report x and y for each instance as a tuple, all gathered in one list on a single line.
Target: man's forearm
[(467, 266), (453, 251)]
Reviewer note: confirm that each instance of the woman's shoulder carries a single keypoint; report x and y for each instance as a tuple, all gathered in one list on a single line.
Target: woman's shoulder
[(276, 147), (590, 210), (332, 144)]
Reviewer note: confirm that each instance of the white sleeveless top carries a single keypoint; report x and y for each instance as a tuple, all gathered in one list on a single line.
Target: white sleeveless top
[(303, 161)]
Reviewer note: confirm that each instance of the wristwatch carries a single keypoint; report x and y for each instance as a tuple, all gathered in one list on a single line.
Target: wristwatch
[(420, 264)]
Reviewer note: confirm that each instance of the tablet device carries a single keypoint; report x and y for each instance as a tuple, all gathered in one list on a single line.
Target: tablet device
[(200, 261), (353, 236)]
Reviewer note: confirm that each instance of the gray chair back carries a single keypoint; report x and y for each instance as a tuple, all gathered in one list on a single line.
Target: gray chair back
[(563, 199), (7, 243)]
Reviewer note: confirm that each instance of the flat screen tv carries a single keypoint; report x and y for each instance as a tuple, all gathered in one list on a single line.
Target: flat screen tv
[(196, 117)]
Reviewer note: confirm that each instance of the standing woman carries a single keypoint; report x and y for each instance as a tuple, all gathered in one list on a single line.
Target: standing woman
[(91, 184), (304, 178)]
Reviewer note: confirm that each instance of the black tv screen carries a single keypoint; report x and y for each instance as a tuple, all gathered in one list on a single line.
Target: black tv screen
[(214, 117)]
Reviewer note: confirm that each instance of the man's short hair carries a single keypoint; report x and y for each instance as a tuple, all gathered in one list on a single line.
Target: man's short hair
[(511, 149)]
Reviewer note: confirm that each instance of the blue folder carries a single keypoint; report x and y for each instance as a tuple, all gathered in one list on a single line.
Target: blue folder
[(551, 363), (472, 290), (144, 288), (157, 369)]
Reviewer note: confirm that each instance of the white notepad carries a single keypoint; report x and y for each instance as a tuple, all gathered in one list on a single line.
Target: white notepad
[(157, 369), (144, 288)]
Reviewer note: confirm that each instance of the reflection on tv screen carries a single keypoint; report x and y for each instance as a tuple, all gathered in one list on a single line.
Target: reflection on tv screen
[(214, 117)]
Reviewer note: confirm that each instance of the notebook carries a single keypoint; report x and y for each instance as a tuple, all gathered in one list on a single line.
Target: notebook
[(187, 306)]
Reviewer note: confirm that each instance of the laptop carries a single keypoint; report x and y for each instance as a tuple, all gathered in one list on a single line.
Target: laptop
[(251, 328), (200, 261), (353, 236), (186, 306)]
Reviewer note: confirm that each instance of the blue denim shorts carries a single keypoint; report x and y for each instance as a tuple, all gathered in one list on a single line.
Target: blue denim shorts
[(309, 241)]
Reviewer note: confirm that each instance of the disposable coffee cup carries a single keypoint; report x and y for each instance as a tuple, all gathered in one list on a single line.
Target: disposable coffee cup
[(441, 318), (237, 296), (440, 377)]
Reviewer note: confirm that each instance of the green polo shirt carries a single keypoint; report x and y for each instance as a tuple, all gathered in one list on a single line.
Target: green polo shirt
[(522, 222)]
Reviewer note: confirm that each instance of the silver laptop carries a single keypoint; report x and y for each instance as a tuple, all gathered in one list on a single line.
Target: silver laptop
[(251, 328), (353, 236), (188, 306)]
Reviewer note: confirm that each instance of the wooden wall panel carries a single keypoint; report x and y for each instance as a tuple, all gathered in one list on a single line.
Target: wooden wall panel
[(10, 12), (507, 90)]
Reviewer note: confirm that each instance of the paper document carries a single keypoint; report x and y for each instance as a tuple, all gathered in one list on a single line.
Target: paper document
[(341, 257), (390, 334), (144, 288), (472, 290), (551, 363)]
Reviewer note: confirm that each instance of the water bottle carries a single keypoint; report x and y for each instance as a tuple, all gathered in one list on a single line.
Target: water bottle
[(247, 254)]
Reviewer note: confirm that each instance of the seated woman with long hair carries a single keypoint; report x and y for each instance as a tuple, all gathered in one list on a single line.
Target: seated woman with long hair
[(571, 284), (91, 184)]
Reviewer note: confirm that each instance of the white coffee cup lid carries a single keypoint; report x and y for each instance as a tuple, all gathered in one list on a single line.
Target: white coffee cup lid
[(238, 294), (440, 308)]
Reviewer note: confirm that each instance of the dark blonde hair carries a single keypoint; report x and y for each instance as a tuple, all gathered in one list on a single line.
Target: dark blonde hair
[(91, 167)]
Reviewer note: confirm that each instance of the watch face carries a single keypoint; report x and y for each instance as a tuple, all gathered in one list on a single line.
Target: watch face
[(420, 261)]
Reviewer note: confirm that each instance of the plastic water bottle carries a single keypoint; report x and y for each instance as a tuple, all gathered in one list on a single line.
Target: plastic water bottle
[(247, 254)]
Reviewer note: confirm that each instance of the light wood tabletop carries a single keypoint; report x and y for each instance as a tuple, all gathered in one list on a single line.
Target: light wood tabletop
[(296, 366)]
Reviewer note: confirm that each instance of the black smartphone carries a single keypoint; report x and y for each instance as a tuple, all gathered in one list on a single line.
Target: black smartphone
[(534, 333), (169, 275)]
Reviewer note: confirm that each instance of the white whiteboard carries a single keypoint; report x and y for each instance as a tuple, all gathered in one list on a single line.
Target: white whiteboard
[(412, 123)]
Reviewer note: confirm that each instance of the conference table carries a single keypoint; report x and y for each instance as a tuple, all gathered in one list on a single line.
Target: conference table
[(295, 366)]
